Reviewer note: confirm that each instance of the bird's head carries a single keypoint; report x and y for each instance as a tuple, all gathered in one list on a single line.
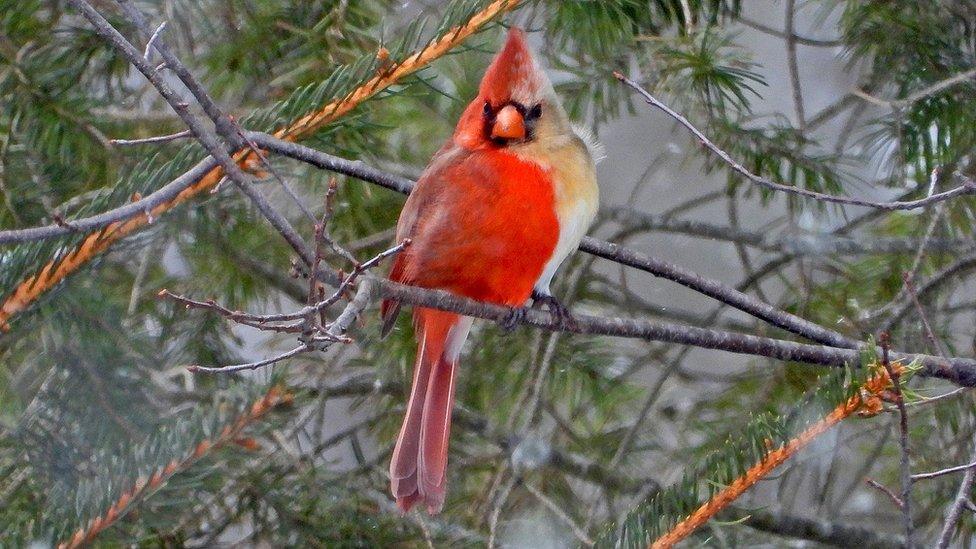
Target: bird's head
[(516, 105)]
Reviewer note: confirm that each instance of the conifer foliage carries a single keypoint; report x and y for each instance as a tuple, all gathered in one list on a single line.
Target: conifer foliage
[(134, 265)]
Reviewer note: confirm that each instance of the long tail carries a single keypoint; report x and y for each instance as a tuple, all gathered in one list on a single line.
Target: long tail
[(417, 472)]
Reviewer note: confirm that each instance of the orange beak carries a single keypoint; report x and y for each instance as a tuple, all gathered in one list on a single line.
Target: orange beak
[(508, 124)]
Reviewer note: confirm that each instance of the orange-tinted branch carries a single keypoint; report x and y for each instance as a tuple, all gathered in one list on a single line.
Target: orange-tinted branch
[(145, 486), (866, 401), (51, 274)]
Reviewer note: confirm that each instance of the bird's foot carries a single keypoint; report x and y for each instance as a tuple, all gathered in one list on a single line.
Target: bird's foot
[(513, 319), (560, 313)]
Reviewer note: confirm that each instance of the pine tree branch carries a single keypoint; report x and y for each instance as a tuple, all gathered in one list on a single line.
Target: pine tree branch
[(204, 135), (70, 261), (868, 400), (967, 188), (146, 486)]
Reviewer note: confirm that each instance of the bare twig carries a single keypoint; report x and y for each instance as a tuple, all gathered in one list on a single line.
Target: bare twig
[(156, 139), (919, 95), (828, 532), (906, 467), (801, 118), (962, 265), (560, 514), (886, 491), (137, 208), (249, 365), (968, 187), (152, 40), (929, 334), (804, 40), (942, 472), (955, 510)]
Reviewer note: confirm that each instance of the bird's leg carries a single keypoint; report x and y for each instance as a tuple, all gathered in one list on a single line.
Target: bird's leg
[(560, 313), (512, 320)]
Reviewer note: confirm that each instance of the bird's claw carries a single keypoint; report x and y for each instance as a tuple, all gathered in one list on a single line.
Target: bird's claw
[(512, 320), (560, 313)]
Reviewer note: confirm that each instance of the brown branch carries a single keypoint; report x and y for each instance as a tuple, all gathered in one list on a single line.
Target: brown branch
[(831, 533), (960, 266), (894, 373), (155, 139), (897, 104), (886, 491), (866, 399), (967, 188), (146, 486), (941, 472), (955, 510), (70, 261)]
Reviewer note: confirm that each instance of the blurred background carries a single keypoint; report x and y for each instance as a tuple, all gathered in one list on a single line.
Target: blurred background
[(557, 437)]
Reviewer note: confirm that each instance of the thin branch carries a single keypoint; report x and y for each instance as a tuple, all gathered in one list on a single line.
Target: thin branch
[(821, 531), (929, 334), (886, 491), (806, 41), (794, 70), (799, 245), (936, 281), (968, 187), (146, 140), (894, 373), (195, 368), (961, 371), (253, 321), (136, 209), (955, 510), (152, 40), (942, 472), (261, 321), (560, 514), (896, 104)]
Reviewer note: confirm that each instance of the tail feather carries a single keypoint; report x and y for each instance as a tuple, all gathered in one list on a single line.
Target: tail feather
[(417, 471)]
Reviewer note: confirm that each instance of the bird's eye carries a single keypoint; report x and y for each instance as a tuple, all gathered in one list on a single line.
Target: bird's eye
[(487, 109), (535, 112)]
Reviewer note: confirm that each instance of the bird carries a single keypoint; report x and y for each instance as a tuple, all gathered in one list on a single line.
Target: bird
[(500, 206)]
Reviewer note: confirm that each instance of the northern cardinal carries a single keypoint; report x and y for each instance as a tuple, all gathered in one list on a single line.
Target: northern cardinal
[(496, 211)]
